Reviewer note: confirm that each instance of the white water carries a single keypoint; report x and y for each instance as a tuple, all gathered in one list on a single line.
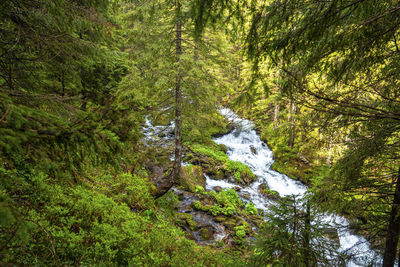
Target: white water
[(241, 144)]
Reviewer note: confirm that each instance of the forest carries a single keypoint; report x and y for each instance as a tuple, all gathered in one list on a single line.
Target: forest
[(200, 133)]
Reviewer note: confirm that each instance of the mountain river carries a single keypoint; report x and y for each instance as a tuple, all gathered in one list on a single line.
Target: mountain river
[(244, 145)]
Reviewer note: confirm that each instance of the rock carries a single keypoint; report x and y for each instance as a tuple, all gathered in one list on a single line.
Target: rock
[(161, 182), (217, 189), (246, 196), (247, 177), (219, 175), (263, 189), (261, 212), (274, 195), (332, 233), (220, 218), (206, 233), (253, 150), (223, 148), (192, 176), (186, 220), (230, 223)]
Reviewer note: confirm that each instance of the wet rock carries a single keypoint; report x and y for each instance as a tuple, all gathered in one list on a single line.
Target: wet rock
[(263, 189), (246, 196), (253, 150), (274, 195), (247, 177), (217, 189), (237, 188), (332, 233)]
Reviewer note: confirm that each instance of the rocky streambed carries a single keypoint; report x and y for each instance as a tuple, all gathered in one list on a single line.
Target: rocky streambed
[(225, 190)]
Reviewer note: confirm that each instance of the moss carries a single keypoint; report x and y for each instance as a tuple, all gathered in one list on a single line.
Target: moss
[(184, 219), (198, 206), (192, 178), (220, 218), (206, 233), (251, 209), (240, 171)]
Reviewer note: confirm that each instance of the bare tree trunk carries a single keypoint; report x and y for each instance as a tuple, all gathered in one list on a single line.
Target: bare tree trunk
[(393, 232), (176, 171), (276, 115), (292, 121)]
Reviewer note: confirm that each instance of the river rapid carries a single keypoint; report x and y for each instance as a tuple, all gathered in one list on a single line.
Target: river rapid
[(244, 145)]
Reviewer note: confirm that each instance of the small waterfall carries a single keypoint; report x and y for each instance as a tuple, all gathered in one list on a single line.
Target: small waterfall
[(244, 145)]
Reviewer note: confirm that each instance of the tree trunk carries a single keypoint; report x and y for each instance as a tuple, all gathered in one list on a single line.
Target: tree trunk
[(276, 115), (292, 121), (393, 232), (178, 98), (306, 236)]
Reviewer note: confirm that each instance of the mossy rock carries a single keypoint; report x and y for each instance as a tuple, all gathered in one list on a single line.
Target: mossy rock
[(230, 223), (332, 233), (247, 177), (223, 148), (263, 189), (220, 175), (272, 194), (220, 218), (186, 219), (255, 220), (198, 206), (206, 233), (192, 176)]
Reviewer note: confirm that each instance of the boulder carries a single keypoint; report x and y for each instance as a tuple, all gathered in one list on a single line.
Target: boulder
[(192, 176), (161, 181)]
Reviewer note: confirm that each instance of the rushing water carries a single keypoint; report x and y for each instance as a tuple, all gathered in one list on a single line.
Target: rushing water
[(244, 145)]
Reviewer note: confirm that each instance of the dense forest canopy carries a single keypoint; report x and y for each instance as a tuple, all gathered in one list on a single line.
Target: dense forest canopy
[(110, 110)]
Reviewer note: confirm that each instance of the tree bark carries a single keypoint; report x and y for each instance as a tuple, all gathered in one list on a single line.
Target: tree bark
[(276, 115), (307, 234), (393, 231), (292, 121), (176, 171)]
